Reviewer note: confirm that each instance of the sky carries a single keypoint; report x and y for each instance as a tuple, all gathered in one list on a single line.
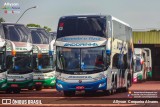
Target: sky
[(139, 14)]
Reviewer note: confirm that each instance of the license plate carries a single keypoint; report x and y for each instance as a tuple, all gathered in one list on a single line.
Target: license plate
[(38, 83), (80, 88), (14, 85)]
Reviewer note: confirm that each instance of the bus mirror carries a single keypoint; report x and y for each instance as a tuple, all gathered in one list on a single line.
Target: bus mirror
[(50, 53), (39, 67), (108, 59), (13, 53), (16, 67)]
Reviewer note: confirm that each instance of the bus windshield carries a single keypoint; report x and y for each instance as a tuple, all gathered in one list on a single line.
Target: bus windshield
[(138, 65), (45, 63), (89, 60), (21, 64), (17, 33), (40, 36), (94, 26)]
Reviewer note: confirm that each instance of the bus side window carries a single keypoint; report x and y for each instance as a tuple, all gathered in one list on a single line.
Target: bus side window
[(115, 61), (108, 58)]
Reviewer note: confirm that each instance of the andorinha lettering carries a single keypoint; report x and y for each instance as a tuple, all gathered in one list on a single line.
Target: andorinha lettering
[(79, 77), (81, 38), (81, 44)]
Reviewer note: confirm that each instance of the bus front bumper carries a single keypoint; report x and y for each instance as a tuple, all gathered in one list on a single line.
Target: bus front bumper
[(87, 86), (50, 82), (20, 84)]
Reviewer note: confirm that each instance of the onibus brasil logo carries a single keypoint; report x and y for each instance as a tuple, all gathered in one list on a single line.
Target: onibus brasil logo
[(13, 8)]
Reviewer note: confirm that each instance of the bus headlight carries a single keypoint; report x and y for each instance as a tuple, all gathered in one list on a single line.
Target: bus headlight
[(101, 85), (53, 81), (1, 79), (28, 78), (59, 85)]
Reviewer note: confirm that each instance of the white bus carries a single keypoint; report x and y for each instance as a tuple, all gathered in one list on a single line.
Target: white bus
[(18, 57), (3, 78), (140, 73), (149, 63), (43, 59), (53, 35), (93, 52)]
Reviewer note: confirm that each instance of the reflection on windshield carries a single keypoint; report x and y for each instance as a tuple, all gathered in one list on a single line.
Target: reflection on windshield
[(73, 60), (45, 63), (40, 36), (22, 65), (17, 33), (138, 65)]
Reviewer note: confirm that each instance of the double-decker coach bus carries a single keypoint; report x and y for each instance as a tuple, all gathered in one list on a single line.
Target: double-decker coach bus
[(140, 71), (43, 59), (3, 78), (18, 57), (93, 52)]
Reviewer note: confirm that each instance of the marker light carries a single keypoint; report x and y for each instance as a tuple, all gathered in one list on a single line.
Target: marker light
[(13, 53), (142, 62), (61, 24), (39, 55)]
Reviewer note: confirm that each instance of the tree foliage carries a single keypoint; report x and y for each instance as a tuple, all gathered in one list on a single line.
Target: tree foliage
[(37, 25), (33, 25), (2, 20)]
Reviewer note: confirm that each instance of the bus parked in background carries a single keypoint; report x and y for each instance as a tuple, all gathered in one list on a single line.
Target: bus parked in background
[(3, 73), (93, 52), (149, 63), (18, 57), (53, 35), (43, 59), (140, 72)]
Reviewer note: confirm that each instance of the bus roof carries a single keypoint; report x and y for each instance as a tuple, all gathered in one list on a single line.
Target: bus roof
[(36, 28), (10, 23), (96, 15)]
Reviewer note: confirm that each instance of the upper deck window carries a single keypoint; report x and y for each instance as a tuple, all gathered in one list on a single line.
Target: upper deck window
[(40, 36), (93, 26), (18, 33)]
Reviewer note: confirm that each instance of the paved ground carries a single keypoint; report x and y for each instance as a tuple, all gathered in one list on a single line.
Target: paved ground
[(50, 97)]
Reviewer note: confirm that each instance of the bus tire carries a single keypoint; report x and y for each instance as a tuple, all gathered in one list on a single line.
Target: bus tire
[(114, 87), (8, 91), (30, 88), (128, 85), (108, 92), (16, 90), (38, 88), (69, 93)]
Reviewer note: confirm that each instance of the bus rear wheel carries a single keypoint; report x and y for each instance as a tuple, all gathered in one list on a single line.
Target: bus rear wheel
[(69, 93), (128, 85), (38, 88), (8, 91)]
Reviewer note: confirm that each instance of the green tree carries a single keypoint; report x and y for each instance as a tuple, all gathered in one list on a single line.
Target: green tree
[(37, 25), (2, 20), (33, 25), (47, 28)]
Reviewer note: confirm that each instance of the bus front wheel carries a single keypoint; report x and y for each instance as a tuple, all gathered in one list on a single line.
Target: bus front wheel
[(69, 93), (16, 90), (38, 88)]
